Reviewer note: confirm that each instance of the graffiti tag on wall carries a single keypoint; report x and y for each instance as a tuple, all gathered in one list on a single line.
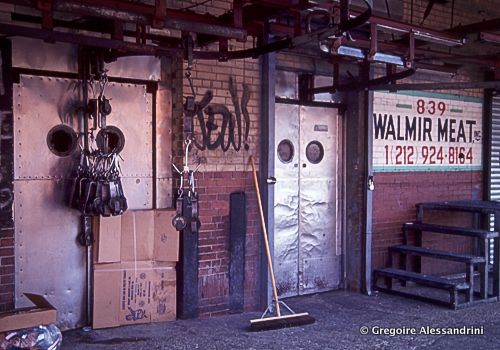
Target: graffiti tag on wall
[(217, 126)]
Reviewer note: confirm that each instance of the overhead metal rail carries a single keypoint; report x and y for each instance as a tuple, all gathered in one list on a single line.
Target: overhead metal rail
[(489, 37), (247, 19)]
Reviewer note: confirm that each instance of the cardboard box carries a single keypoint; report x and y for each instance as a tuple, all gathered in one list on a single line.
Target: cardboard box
[(134, 293), (137, 242), (134, 274), (106, 295), (166, 245), (107, 239), (43, 313), (149, 235)]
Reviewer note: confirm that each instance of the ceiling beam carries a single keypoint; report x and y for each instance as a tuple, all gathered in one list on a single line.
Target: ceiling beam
[(489, 37), (495, 84), (86, 40), (139, 13), (492, 24)]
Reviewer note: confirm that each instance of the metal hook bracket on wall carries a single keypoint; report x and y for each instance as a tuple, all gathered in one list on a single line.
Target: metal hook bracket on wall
[(190, 215)]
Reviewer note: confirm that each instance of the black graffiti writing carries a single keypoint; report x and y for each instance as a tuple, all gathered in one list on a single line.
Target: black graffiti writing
[(233, 129)]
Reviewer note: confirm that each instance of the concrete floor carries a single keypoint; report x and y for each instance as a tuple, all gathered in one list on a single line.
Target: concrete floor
[(339, 318)]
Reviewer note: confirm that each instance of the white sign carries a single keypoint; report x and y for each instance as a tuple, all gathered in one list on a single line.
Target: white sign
[(429, 132)]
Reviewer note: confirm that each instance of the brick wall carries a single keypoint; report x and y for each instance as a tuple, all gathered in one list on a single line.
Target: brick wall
[(222, 172), (214, 189), (6, 187), (215, 76), (306, 63), (394, 202), (426, 76)]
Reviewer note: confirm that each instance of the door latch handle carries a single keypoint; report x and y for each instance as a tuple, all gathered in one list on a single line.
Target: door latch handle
[(271, 180), (370, 183)]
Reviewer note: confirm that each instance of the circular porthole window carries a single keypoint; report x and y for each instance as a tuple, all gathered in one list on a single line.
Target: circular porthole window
[(286, 151), (62, 140), (110, 139), (315, 152)]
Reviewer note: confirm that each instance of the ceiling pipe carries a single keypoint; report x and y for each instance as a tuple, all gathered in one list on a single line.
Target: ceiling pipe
[(139, 13), (366, 84)]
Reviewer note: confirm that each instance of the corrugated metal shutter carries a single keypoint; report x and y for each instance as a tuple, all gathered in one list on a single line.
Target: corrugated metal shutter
[(494, 159)]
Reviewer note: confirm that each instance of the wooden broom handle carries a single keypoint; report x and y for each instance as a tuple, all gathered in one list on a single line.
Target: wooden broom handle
[(266, 242)]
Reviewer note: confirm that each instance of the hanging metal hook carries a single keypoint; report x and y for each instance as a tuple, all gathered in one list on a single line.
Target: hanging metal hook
[(187, 142), (103, 82)]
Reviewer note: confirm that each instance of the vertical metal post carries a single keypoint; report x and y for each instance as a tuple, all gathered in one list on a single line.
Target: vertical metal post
[(83, 130), (84, 72), (187, 291), (8, 184), (90, 267), (354, 189), (344, 11), (237, 239), (153, 153), (86, 234), (469, 277), (483, 271), (487, 143), (368, 193), (496, 258), (417, 261), (487, 149), (266, 164)]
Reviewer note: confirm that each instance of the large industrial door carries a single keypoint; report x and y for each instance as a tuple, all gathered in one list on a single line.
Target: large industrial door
[(307, 239), (49, 259)]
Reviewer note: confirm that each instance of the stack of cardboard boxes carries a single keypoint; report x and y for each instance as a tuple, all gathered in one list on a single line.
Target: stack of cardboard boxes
[(134, 268)]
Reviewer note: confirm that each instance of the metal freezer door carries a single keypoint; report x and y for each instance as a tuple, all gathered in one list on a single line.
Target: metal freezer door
[(307, 225), (319, 229), (286, 200)]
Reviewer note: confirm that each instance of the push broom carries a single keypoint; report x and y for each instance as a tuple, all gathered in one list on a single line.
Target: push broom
[(270, 319)]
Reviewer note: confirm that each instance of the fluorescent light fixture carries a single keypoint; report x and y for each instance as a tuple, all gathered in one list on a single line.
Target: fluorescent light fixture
[(360, 54)]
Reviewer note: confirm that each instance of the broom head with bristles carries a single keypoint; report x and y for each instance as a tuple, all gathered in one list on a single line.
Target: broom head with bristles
[(284, 321)]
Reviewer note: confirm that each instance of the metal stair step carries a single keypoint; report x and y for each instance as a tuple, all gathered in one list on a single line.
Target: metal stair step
[(427, 280), (438, 254), (451, 230)]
